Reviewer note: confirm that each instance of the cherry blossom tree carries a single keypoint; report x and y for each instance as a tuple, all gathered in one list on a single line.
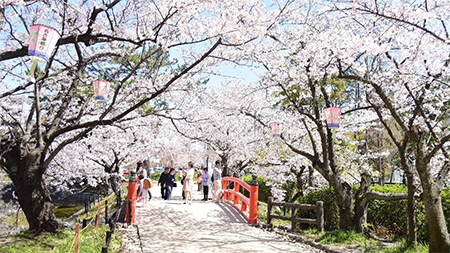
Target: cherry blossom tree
[(404, 67), (100, 156), (124, 42), (213, 119)]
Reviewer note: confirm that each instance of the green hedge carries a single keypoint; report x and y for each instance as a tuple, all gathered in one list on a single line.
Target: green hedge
[(155, 176), (330, 208), (379, 212), (446, 205), (389, 214), (263, 189), (392, 214)]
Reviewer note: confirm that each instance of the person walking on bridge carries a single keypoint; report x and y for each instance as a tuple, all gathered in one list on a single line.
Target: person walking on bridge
[(217, 174)]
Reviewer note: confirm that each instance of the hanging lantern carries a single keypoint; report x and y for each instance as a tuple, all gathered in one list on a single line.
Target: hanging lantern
[(332, 116), (43, 40), (100, 88), (276, 128)]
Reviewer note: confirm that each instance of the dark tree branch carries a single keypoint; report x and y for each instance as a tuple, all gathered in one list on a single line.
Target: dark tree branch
[(88, 126)]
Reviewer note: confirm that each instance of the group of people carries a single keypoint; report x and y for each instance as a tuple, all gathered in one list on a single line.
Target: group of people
[(167, 182), (143, 173)]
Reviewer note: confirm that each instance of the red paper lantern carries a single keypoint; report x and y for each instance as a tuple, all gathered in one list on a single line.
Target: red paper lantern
[(332, 116)]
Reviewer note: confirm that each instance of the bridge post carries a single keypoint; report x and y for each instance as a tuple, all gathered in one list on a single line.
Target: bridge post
[(131, 197), (253, 214), (224, 189), (236, 189)]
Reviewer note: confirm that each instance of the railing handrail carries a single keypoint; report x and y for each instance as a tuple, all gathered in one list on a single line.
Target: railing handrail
[(295, 205), (249, 205), (237, 180)]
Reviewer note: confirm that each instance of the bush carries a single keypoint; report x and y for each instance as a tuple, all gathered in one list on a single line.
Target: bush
[(331, 210), (155, 176), (388, 214), (263, 189), (446, 205), (392, 214)]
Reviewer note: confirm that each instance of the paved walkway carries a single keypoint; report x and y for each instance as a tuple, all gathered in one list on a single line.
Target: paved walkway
[(171, 226)]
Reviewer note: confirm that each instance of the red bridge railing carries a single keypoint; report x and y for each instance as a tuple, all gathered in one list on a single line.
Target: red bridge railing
[(247, 206)]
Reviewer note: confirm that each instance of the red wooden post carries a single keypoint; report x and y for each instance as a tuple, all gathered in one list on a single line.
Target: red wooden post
[(132, 195), (97, 217), (230, 195), (253, 215), (243, 207), (77, 237), (236, 189), (224, 189)]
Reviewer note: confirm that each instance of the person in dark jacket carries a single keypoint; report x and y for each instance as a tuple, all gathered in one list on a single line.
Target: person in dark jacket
[(170, 180), (162, 182)]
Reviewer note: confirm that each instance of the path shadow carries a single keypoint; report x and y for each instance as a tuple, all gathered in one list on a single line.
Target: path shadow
[(233, 215)]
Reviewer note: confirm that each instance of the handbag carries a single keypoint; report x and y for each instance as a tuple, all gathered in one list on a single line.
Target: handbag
[(174, 184)]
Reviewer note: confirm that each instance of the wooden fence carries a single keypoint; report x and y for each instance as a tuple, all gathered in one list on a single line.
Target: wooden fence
[(318, 207), (109, 219)]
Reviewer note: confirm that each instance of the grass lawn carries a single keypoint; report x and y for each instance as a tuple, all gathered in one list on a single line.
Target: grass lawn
[(353, 240), (346, 239), (91, 240)]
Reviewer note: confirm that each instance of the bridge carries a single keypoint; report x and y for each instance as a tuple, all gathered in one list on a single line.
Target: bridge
[(171, 226)]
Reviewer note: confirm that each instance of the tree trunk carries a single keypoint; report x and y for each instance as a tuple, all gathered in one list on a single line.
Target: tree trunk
[(117, 188), (344, 196), (224, 160), (359, 218), (23, 168), (439, 240), (35, 201), (411, 235), (344, 199), (310, 176)]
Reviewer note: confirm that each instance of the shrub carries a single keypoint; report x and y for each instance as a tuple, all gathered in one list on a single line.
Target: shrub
[(388, 216), (263, 189), (446, 205), (331, 210), (392, 214), (155, 175)]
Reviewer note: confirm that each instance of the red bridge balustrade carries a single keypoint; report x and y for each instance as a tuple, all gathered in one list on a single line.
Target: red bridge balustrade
[(247, 206)]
